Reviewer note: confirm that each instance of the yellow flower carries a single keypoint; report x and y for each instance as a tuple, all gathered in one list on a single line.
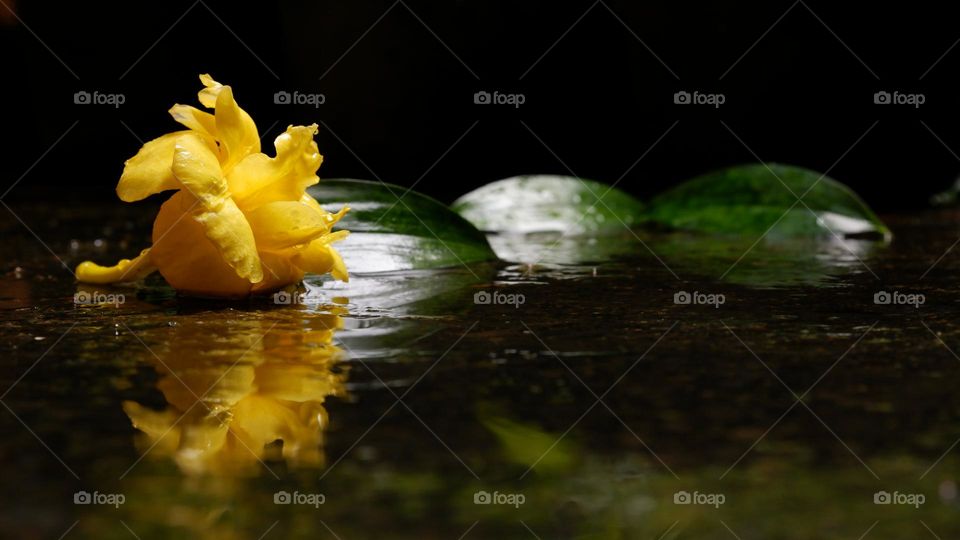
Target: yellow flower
[(240, 221)]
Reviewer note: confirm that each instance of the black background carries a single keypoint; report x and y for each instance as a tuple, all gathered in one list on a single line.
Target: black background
[(598, 79)]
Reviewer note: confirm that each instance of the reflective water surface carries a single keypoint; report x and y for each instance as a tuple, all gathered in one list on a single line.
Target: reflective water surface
[(562, 394)]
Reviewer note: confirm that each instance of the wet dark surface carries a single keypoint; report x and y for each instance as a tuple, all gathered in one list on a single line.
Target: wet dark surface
[(498, 398)]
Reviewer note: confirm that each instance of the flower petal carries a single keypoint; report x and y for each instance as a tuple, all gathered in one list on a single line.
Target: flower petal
[(278, 272), (211, 88), (198, 169), (149, 172), (195, 119), (236, 131), (319, 257), (124, 271), (284, 224), (339, 270), (229, 230), (260, 179), (187, 258)]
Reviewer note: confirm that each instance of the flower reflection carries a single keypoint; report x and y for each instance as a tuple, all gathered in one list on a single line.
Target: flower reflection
[(243, 392)]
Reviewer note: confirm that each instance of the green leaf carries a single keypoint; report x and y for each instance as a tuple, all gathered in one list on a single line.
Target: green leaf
[(755, 198), (543, 203), (386, 235)]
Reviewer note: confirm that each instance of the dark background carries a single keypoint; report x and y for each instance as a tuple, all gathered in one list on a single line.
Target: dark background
[(399, 96)]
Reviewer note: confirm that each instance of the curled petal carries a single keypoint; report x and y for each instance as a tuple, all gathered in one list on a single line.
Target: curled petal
[(187, 258), (260, 179), (211, 88), (318, 257), (124, 271), (195, 119), (235, 129), (331, 218), (339, 270), (284, 224), (198, 169), (229, 230), (278, 272), (149, 171)]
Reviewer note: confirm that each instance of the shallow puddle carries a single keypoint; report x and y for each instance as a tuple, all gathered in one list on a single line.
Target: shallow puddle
[(567, 393)]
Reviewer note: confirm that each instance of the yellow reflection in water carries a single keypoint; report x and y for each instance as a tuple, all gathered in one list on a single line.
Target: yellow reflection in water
[(242, 391)]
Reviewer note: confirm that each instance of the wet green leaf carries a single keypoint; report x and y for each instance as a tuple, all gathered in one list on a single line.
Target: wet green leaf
[(416, 232), (752, 199), (543, 203)]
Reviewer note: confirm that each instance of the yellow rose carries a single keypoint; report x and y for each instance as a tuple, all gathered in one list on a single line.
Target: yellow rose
[(240, 222)]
